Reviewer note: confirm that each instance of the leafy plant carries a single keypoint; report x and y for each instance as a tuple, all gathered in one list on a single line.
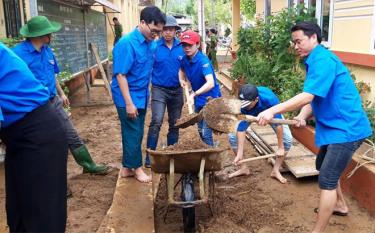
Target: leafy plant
[(10, 42), (370, 110), (63, 77), (248, 8), (265, 56)]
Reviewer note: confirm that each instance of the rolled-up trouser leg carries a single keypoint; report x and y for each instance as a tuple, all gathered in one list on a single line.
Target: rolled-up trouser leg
[(132, 134), (35, 172)]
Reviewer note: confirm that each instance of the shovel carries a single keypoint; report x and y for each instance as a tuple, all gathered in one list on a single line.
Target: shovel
[(224, 115), (190, 119)]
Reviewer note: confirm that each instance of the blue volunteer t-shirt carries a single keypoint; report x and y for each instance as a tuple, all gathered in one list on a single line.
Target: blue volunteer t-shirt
[(133, 57), (20, 91), (267, 99), (167, 64), (1, 115), (196, 70), (336, 105), (42, 63)]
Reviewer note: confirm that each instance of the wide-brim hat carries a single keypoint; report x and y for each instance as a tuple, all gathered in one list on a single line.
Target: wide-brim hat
[(172, 22), (39, 26)]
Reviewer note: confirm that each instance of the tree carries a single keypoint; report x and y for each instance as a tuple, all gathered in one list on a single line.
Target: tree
[(248, 8)]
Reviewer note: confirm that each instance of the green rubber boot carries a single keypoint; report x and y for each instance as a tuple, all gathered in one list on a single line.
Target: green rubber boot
[(82, 156)]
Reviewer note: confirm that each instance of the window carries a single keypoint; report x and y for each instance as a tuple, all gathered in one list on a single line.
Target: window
[(324, 16), (373, 32)]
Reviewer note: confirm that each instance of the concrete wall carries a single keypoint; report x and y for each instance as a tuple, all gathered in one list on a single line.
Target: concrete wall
[(353, 25), (129, 18), (2, 21), (353, 30)]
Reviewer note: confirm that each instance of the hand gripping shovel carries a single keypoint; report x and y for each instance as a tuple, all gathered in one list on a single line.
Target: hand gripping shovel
[(224, 115), (190, 119)]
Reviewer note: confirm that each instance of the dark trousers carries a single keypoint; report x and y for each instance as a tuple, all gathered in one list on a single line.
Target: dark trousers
[(162, 98), (132, 135), (35, 172), (74, 141)]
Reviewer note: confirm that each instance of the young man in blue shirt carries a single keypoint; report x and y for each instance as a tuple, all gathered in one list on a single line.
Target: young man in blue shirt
[(38, 56), (36, 150), (200, 73), (133, 57), (166, 89), (255, 100), (330, 95)]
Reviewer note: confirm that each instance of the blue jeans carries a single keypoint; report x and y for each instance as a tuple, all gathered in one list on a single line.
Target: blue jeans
[(162, 98), (204, 131), (287, 138), (332, 160), (132, 135)]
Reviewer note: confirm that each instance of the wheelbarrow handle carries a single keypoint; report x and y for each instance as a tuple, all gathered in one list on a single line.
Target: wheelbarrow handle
[(273, 121), (256, 158)]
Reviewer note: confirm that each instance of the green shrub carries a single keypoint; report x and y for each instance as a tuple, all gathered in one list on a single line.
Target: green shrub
[(10, 42), (265, 56)]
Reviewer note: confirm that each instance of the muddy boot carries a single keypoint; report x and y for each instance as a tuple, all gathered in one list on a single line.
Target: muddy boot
[(82, 156)]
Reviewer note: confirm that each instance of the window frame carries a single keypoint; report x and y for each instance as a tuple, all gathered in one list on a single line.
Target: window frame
[(319, 17), (372, 45)]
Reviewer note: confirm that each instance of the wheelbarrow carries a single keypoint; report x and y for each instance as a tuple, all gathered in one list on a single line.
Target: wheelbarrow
[(188, 163)]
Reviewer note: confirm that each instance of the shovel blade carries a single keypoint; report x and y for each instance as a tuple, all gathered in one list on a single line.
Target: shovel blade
[(224, 123), (224, 106), (189, 120)]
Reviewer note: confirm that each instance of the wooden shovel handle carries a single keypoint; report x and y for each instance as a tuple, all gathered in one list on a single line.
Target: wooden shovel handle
[(257, 158), (190, 107), (273, 121)]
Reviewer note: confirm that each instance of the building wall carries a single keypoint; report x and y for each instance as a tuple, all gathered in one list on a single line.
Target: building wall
[(2, 21), (129, 18), (353, 26), (353, 30), (278, 5)]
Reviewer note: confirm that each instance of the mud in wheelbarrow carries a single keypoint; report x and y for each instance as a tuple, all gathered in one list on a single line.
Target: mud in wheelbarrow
[(189, 163)]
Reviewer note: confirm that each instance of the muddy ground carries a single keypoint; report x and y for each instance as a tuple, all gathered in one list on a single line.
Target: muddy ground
[(255, 203), (260, 204)]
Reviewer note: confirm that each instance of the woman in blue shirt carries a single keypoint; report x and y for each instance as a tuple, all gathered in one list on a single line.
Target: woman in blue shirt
[(36, 151), (199, 71)]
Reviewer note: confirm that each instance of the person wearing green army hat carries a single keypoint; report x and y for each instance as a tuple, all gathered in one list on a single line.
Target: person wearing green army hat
[(37, 54)]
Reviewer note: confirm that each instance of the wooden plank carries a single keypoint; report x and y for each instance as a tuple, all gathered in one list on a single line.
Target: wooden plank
[(302, 166), (94, 50), (300, 161)]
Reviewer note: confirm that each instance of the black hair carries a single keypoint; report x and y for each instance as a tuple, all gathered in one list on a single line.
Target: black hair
[(213, 30), (309, 29), (115, 18), (153, 14)]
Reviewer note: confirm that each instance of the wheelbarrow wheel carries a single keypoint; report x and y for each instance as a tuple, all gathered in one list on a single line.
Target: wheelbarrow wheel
[(188, 195), (188, 216)]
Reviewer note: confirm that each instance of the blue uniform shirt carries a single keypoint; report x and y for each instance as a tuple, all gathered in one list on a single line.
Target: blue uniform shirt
[(133, 57), (1, 115), (20, 91), (336, 105), (42, 63), (167, 64), (267, 99), (196, 70)]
